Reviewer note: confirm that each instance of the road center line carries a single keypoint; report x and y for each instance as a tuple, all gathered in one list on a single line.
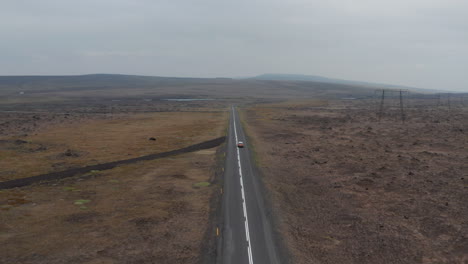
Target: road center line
[(244, 206)]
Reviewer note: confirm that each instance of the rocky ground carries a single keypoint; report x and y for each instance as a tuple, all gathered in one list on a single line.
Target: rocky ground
[(350, 189), (150, 212), (158, 211)]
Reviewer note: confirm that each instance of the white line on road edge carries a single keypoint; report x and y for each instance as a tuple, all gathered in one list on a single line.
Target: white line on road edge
[(246, 222)]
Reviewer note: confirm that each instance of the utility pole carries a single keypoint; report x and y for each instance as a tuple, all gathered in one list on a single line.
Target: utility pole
[(401, 107), (448, 101), (381, 104)]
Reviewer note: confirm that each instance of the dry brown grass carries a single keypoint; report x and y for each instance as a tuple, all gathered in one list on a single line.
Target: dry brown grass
[(147, 212), (99, 141), (294, 104), (268, 112)]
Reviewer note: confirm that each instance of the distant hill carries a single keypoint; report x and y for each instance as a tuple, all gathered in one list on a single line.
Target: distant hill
[(313, 78), (121, 80), (102, 80), (13, 88), (293, 77)]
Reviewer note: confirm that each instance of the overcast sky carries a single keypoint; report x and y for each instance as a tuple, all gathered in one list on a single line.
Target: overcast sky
[(421, 43)]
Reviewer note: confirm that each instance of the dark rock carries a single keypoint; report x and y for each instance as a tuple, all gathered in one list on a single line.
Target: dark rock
[(19, 142), (70, 153)]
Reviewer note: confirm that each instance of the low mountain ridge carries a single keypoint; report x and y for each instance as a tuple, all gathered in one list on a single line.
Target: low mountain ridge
[(314, 78)]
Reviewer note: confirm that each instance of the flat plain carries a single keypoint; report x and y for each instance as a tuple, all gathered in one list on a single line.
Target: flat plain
[(157, 211), (350, 189), (341, 186)]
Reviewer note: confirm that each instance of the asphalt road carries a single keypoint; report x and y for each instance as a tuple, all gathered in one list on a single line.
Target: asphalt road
[(247, 233)]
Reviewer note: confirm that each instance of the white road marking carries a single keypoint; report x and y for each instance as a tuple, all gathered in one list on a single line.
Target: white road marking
[(246, 221)]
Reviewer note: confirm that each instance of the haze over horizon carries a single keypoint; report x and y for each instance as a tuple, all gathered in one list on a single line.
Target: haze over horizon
[(418, 43)]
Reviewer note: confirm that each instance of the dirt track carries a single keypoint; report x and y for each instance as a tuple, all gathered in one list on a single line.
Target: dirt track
[(156, 210), (149, 212), (105, 166)]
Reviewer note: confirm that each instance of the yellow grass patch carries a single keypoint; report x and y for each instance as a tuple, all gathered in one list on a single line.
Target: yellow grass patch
[(99, 141)]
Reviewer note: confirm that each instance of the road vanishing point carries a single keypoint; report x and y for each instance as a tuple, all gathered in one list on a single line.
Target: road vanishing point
[(246, 235)]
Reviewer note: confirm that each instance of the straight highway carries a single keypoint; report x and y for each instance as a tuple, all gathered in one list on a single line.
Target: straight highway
[(246, 235)]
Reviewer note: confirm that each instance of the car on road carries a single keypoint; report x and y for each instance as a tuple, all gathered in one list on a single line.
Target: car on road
[(240, 144)]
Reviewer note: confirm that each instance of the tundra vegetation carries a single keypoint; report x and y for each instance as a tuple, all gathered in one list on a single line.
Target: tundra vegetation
[(350, 189), (343, 187), (156, 211)]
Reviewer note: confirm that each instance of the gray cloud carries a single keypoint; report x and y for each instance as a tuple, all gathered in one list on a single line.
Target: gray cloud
[(422, 43)]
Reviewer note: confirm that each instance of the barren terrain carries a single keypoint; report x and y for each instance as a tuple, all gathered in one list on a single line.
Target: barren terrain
[(150, 212), (345, 188), (156, 211), (350, 189), (99, 140)]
